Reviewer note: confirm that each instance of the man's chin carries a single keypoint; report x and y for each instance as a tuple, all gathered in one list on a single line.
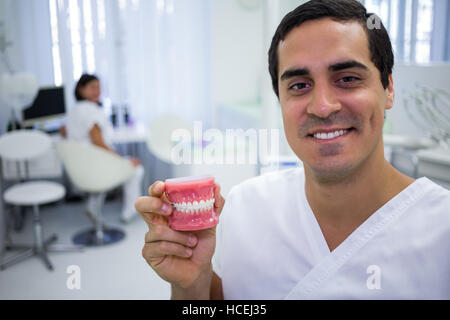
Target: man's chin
[(330, 173)]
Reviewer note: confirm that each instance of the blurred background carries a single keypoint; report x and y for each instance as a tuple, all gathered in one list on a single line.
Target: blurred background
[(162, 65)]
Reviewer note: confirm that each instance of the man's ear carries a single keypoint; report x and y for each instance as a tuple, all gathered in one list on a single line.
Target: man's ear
[(390, 93)]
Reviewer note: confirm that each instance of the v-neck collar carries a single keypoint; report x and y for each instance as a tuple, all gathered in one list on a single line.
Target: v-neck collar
[(327, 262), (314, 233)]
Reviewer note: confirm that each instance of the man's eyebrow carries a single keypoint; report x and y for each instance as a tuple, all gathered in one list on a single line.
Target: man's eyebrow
[(290, 73), (294, 73), (347, 65)]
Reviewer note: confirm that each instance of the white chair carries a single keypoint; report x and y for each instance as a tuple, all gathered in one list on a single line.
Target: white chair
[(21, 146), (95, 171), (159, 136)]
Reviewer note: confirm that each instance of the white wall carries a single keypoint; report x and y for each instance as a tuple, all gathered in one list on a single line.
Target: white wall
[(237, 51), (240, 40)]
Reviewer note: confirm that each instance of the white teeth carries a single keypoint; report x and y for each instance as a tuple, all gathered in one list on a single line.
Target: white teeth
[(329, 135), (195, 206)]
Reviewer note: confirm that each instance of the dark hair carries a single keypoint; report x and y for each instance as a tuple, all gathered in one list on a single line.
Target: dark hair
[(84, 80), (339, 10)]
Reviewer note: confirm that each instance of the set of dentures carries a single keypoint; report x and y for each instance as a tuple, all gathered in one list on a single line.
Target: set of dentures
[(194, 206), (193, 201)]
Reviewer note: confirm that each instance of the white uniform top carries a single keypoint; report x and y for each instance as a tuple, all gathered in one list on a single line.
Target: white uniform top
[(81, 119), (270, 245)]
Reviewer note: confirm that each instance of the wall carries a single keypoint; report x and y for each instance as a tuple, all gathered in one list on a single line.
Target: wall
[(240, 40), (237, 51)]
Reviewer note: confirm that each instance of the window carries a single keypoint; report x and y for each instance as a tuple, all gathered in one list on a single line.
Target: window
[(55, 44), (80, 28), (410, 26)]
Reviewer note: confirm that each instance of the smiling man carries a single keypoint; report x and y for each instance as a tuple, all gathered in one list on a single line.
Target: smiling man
[(347, 225), (333, 101)]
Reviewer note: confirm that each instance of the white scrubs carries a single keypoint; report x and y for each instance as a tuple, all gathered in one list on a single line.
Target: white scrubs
[(270, 245), (79, 122)]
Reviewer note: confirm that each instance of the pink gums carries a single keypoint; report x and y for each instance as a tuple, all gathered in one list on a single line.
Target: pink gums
[(191, 189)]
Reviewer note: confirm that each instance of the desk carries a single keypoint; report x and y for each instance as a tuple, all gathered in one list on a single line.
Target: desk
[(136, 133), (407, 142), (435, 164), (400, 151), (126, 139)]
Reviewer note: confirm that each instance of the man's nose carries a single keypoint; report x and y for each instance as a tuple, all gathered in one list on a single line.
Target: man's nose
[(324, 101)]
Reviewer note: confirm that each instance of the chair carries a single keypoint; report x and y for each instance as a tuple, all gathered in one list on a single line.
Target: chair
[(159, 137), (21, 146), (95, 171)]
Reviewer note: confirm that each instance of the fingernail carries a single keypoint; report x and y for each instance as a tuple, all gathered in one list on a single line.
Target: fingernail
[(188, 252), (165, 208), (192, 239)]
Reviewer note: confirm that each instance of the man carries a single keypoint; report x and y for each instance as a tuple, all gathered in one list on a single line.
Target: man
[(348, 225)]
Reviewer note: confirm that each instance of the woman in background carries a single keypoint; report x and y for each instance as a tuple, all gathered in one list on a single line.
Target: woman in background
[(87, 122)]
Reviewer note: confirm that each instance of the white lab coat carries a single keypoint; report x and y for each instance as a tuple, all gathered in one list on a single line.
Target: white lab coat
[(270, 245), (81, 118)]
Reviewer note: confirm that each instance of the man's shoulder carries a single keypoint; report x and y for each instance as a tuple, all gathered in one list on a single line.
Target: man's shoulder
[(436, 194), (433, 189), (429, 205)]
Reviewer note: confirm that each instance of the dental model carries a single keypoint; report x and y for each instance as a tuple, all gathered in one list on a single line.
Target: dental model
[(192, 199)]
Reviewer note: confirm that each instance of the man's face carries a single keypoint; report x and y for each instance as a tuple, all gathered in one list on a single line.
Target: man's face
[(331, 96)]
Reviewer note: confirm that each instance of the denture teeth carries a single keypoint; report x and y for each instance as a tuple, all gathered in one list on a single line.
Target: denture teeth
[(195, 206)]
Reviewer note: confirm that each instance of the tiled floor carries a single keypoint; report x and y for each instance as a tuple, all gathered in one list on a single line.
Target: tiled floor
[(117, 271)]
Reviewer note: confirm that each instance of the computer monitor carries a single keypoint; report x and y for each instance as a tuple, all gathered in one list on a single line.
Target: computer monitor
[(49, 104)]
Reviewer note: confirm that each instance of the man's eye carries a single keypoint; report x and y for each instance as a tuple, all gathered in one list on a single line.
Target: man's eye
[(348, 79), (298, 86)]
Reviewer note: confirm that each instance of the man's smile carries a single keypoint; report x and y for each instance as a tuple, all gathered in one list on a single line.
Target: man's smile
[(324, 135)]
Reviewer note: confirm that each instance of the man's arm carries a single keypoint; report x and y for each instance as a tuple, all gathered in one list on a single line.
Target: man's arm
[(199, 291)]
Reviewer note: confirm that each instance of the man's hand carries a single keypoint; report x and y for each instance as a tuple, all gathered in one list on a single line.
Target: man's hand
[(182, 258)]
